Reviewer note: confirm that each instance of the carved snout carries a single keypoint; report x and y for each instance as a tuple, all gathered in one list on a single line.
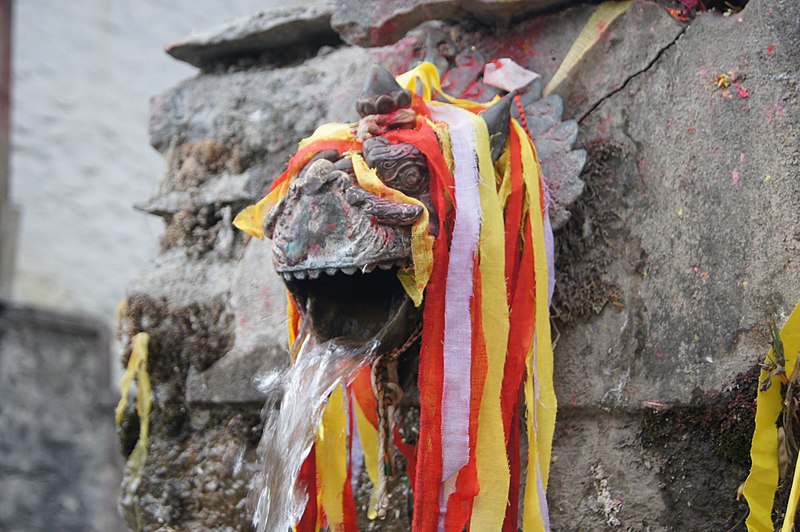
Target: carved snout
[(323, 180)]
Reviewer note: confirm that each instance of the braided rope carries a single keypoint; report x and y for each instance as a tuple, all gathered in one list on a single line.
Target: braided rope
[(388, 393)]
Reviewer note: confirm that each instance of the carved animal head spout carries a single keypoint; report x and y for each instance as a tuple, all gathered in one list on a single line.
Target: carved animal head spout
[(338, 245), (338, 248)]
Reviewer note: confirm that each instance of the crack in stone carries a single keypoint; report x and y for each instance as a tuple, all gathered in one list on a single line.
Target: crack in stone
[(634, 75)]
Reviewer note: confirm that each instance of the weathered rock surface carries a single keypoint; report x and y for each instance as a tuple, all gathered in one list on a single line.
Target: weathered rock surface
[(682, 245), (707, 235), (640, 35), (262, 111), (250, 37), (695, 204)]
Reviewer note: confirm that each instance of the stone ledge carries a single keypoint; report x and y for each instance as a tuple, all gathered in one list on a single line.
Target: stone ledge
[(252, 35), (382, 23)]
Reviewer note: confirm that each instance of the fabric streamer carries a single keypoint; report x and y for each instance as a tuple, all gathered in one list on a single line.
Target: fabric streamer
[(367, 422), (493, 470), (458, 324), (421, 240), (507, 75), (331, 456), (762, 482), (598, 23), (484, 285), (137, 370)]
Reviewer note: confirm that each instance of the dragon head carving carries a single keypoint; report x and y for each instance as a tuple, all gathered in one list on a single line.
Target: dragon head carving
[(416, 191), (340, 246)]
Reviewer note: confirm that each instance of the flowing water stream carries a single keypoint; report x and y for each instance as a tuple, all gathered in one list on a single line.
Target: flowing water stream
[(292, 420)]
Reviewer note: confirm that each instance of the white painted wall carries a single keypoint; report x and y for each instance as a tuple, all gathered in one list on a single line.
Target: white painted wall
[(84, 71)]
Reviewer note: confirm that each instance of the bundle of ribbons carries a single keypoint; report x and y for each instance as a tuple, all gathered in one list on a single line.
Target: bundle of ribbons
[(485, 282)]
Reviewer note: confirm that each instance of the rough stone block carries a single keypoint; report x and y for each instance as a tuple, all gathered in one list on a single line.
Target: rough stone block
[(695, 195), (181, 281), (264, 112), (251, 36), (599, 478), (385, 22), (258, 300), (225, 188)]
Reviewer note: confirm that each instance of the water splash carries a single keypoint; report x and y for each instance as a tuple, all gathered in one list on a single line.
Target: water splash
[(289, 432)]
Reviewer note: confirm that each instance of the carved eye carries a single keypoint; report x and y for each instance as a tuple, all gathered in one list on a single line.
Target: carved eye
[(400, 166), (410, 179)]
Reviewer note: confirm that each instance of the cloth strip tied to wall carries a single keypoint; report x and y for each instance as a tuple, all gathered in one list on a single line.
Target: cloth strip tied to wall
[(762, 482)]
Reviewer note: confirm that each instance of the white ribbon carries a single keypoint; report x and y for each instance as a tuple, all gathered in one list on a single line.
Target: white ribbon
[(456, 390)]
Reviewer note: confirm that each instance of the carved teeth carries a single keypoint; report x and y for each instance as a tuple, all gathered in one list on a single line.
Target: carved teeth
[(349, 270)]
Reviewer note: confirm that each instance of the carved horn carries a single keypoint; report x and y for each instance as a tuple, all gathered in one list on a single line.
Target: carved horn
[(496, 118), (381, 94), (379, 81)]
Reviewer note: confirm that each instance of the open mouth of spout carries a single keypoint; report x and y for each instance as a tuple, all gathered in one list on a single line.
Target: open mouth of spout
[(359, 307)]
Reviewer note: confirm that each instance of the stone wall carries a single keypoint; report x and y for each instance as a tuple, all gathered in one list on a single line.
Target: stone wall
[(681, 248), (59, 458)]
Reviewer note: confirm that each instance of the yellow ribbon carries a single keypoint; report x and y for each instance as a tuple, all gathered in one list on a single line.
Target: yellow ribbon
[(541, 403), (490, 453), (425, 77), (330, 131), (762, 482), (331, 458), (137, 368), (368, 435), (251, 218), (791, 507), (601, 18)]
